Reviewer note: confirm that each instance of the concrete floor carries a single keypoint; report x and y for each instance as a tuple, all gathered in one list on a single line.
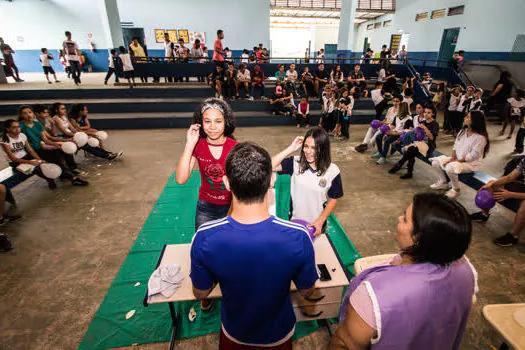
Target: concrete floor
[(71, 242)]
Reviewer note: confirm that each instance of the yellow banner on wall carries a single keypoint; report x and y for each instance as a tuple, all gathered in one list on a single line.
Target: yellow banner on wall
[(159, 35)]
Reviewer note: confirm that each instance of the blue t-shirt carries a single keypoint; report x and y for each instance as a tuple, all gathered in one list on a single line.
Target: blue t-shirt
[(254, 266)]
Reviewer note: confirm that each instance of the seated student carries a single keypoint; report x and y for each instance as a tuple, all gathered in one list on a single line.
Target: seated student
[(257, 82), (46, 149), (418, 117), (408, 97), (63, 129), (327, 109), (303, 112), (426, 147), (426, 82), (510, 187), (381, 75), (79, 119), (316, 182), (470, 147), (231, 251), (380, 99), (291, 79), (18, 151), (245, 56), (42, 115), (513, 111), (476, 103), (390, 84), (371, 135), (230, 82), (321, 78), (243, 80), (263, 58), (337, 76), (280, 75), (402, 122), (307, 79), (357, 79), (216, 80), (277, 101), (379, 311)]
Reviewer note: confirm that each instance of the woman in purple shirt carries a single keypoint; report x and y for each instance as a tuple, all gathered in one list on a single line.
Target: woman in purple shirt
[(422, 298)]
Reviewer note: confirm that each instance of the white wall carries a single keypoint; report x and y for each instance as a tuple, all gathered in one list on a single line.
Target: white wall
[(486, 25), (245, 23), (33, 24), (293, 42), (324, 35)]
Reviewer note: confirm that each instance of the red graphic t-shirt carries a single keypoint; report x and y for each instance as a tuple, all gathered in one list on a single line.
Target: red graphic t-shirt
[(212, 170), (217, 56)]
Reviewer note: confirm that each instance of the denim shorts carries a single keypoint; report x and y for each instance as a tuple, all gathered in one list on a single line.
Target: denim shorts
[(208, 212)]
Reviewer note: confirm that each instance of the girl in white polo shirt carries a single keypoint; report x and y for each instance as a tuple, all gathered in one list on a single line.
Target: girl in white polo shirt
[(316, 181)]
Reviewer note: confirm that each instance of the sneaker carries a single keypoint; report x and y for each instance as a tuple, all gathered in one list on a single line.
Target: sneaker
[(5, 244), (57, 81), (381, 161), (250, 98), (79, 182), (394, 169), (206, 305), (105, 82), (479, 216), (507, 240), (50, 82), (452, 193), (51, 184), (114, 156), (440, 186), (376, 155), (361, 148), (406, 176)]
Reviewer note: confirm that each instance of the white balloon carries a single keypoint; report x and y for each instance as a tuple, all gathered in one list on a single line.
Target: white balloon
[(101, 135), (93, 142), (80, 139), (69, 147), (51, 171)]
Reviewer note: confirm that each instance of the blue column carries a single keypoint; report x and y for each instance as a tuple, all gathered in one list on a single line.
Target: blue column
[(345, 39)]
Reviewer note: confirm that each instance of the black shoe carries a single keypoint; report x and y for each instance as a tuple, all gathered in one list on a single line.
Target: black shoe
[(507, 240), (105, 82), (361, 148), (8, 218), (479, 216), (79, 182), (5, 244), (394, 169), (406, 176), (51, 184)]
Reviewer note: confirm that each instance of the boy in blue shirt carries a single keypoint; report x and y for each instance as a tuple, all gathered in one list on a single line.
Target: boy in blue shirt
[(254, 256)]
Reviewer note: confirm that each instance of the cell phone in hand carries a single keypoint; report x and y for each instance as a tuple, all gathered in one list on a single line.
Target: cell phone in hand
[(324, 275)]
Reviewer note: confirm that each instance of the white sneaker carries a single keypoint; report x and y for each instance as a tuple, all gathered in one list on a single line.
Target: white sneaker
[(440, 186), (221, 98), (452, 193)]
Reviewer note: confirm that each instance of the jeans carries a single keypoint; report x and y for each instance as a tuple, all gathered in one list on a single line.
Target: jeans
[(96, 151), (110, 72), (208, 212), (383, 143), (520, 136), (303, 119), (74, 66)]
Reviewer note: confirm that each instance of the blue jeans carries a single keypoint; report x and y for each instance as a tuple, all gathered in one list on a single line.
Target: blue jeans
[(383, 143), (208, 212)]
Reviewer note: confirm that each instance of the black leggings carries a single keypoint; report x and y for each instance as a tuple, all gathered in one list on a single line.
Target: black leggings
[(410, 157), (57, 157), (96, 151)]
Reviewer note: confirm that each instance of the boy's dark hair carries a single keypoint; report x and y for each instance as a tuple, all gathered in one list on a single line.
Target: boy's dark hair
[(461, 52), (197, 41), (38, 108), (322, 151), (122, 49), (220, 31), (21, 108), (113, 51), (431, 107), (135, 38), (409, 92), (67, 33), (242, 65), (227, 112), (384, 46), (43, 49), (378, 84), (442, 229), (399, 97), (249, 172), (226, 48)]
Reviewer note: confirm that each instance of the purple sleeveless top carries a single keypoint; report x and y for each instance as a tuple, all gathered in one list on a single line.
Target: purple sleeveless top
[(421, 306)]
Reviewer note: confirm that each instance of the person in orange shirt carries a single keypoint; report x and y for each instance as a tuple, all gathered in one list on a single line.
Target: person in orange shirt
[(218, 52)]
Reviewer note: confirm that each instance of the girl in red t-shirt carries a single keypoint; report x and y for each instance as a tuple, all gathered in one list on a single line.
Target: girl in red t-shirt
[(209, 140)]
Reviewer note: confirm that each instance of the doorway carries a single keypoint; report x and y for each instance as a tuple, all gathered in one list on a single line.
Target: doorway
[(448, 46), (130, 33)]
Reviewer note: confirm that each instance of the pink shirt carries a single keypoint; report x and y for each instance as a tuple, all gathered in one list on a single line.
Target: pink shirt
[(217, 56)]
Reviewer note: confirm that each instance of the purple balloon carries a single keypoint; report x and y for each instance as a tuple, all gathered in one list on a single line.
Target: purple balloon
[(375, 124), (384, 128), (311, 230), (419, 133), (485, 200)]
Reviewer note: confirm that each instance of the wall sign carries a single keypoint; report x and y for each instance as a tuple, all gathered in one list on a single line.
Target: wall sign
[(198, 35), (183, 34), (173, 35), (159, 35)]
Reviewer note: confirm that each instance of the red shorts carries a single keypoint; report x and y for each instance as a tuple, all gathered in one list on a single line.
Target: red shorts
[(226, 344)]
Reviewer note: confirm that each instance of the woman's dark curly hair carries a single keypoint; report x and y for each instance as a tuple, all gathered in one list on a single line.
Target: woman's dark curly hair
[(223, 107), (76, 109)]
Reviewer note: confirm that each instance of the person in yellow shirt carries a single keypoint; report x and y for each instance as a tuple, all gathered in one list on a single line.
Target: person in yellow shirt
[(137, 51)]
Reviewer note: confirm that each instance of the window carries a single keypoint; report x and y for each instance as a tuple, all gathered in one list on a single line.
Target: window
[(454, 11), (438, 14), (387, 23), (377, 25), (421, 16), (370, 26)]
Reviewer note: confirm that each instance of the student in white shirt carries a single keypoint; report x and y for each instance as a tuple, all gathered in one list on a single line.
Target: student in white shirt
[(18, 150), (111, 67), (451, 110), (316, 182), (169, 48), (513, 111), (402, 122), (378, 97), (291, 78), (127, 66), (327, 109), (46, 65), (243, 80), (245, 57), (470, 147), (476, 103), (72, 52)]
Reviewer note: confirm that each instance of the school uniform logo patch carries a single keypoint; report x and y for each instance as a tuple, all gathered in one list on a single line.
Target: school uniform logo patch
[(322, 183)]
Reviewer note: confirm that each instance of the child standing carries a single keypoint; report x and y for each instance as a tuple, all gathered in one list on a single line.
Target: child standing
[(303, 113), (46, 65), (111, 68), (346, 104), (512, 112), (127, 66)]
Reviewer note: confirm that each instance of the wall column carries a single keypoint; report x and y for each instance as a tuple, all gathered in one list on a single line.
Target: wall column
[(111, 23), (345, 39)]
